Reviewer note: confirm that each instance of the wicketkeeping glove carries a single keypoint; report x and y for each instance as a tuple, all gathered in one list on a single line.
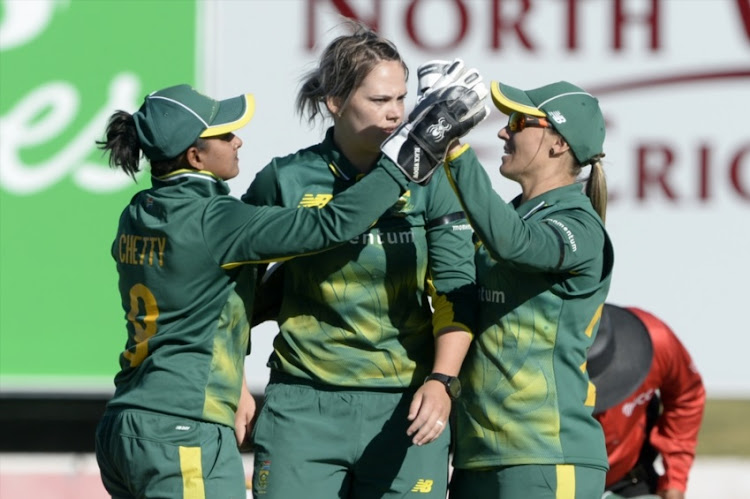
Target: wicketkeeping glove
[(429, 73), (445, 113)]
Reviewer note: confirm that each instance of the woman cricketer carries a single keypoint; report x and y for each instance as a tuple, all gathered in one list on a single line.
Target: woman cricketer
[(182, 250), (525, 428)]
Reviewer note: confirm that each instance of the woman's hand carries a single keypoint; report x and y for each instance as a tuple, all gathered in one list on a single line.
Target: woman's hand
[(245, 415), (429, 412)]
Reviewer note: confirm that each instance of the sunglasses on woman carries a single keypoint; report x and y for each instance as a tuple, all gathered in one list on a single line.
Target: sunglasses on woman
[(519, 121)]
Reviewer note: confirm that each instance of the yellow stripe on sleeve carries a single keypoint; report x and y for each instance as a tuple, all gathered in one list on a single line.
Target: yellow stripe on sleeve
[(590, 396), (594, 320), (457, 153)]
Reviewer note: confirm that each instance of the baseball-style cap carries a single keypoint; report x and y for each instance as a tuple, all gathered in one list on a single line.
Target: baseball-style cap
[(171, 119), (572, 111), (620, 357)]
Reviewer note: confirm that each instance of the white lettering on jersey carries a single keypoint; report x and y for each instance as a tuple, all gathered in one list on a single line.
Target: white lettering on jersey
[(566, 230), (405, 237), (491, 295), (640, 399)]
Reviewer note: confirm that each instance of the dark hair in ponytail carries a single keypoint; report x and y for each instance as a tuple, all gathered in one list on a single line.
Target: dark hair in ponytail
[(122, 143), (125, 148)]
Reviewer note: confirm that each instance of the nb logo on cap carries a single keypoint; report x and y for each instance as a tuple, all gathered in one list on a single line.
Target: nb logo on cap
[(557, 116)]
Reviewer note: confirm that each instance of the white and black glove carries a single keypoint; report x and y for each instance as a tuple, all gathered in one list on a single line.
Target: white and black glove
[(447, 111), (428, 74)]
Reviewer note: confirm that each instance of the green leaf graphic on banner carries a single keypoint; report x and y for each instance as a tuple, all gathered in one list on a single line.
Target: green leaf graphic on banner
[(67, 65)]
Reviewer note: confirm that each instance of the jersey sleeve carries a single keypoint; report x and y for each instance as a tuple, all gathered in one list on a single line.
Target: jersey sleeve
[(683, 397), (451, 258), (236, 233), (564, 241)]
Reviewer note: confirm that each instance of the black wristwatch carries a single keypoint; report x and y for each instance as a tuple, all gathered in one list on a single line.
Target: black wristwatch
[(452, 384)]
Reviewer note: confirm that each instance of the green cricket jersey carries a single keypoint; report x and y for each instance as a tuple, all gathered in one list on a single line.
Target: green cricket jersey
[(359, 315), (180, 251), (544, 271)]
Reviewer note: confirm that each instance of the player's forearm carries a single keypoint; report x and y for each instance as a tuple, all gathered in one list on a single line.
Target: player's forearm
[(676, 470), (451, 346), (676, 438), (245, 413), (683, 398)]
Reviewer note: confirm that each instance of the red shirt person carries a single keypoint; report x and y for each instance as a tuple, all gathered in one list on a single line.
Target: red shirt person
[(649, 401)]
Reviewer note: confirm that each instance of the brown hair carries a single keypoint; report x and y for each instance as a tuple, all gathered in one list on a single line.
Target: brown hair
[(345, 62)]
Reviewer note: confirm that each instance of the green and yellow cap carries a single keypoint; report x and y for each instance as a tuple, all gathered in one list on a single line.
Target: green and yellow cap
[(171, 119), (572, 111)]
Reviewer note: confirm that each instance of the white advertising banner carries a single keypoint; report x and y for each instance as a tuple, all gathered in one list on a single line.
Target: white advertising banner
[(673, 79)]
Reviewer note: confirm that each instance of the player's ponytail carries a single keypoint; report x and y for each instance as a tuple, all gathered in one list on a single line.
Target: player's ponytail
[(122, 143), (596, 188), (311, 96)]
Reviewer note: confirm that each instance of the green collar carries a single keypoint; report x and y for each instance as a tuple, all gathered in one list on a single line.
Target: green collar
[(546, 199), (203, 182)]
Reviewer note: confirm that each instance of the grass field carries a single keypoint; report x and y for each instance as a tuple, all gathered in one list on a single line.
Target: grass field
[(726, 428)]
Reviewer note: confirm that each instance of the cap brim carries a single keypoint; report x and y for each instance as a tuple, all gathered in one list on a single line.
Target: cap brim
[(511, 99), (630, 362), (233, 114)]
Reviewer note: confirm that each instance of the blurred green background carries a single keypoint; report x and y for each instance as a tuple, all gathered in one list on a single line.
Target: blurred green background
[(71, 66)]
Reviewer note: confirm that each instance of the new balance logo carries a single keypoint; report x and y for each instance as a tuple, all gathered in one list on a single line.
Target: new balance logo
[(557, 116), (437, 130), (423, 486), (315, 201)]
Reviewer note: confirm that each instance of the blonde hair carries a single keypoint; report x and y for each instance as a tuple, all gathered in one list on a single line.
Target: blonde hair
[(596, 188), (596, 183)]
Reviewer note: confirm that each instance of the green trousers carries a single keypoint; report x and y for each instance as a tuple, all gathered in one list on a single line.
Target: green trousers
[(316, 442), (147, 454)]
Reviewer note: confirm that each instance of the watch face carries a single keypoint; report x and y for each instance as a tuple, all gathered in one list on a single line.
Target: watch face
[(452, 384), (454, 388)]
